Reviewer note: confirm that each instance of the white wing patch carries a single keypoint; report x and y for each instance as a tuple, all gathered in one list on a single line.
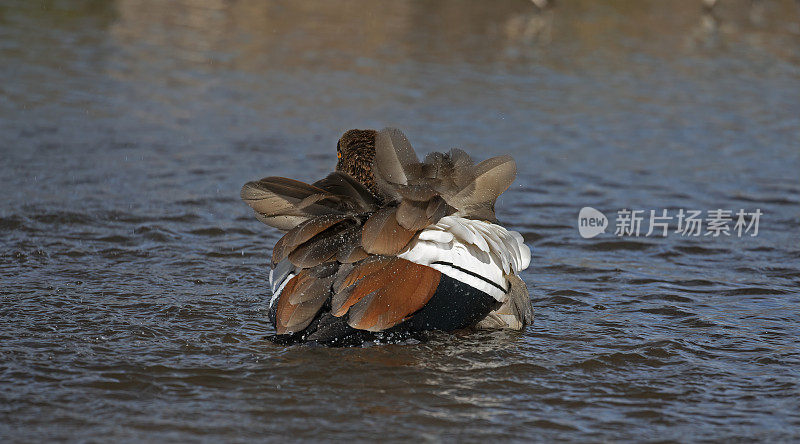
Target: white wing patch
[(480, 254), (278, 277)]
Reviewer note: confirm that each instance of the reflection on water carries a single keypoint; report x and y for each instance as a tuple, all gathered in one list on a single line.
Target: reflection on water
[(134, 283)]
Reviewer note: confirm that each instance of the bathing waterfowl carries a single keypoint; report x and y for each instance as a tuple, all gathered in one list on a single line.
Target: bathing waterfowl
[(387, 245)]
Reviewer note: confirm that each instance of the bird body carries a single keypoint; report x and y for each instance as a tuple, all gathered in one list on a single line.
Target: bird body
[(388, 245)]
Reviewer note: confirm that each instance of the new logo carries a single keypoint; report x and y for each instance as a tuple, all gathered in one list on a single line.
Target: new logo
[(591, 222)]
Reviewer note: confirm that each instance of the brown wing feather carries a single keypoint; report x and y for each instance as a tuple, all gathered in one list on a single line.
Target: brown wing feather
[(421, 191), (380, 294), (411, 215), (273, 194), (437, 208), (393, 156), (350, 250), (382, 234), (283, 203), (302, 298), (416, 215), (355, 255), (323, 247), (303, 233), (282, 221), (491, 178), (345, 293), (341, 184)]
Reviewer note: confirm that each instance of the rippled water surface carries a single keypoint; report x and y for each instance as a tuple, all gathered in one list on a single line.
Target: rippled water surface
[(134, 280)]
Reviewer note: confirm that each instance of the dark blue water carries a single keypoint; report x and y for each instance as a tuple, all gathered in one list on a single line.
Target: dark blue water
[(134, 281)]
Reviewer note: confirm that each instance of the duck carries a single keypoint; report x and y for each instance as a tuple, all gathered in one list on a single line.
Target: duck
[(387, 246)]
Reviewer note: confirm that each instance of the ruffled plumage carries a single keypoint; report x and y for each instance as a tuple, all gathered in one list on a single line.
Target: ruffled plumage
[(371, 248)]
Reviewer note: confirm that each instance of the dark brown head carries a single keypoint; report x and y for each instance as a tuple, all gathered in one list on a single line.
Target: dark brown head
[(356, 153)]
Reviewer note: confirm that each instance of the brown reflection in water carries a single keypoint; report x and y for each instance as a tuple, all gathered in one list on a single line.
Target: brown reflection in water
[(772, 27), (253, 36)]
